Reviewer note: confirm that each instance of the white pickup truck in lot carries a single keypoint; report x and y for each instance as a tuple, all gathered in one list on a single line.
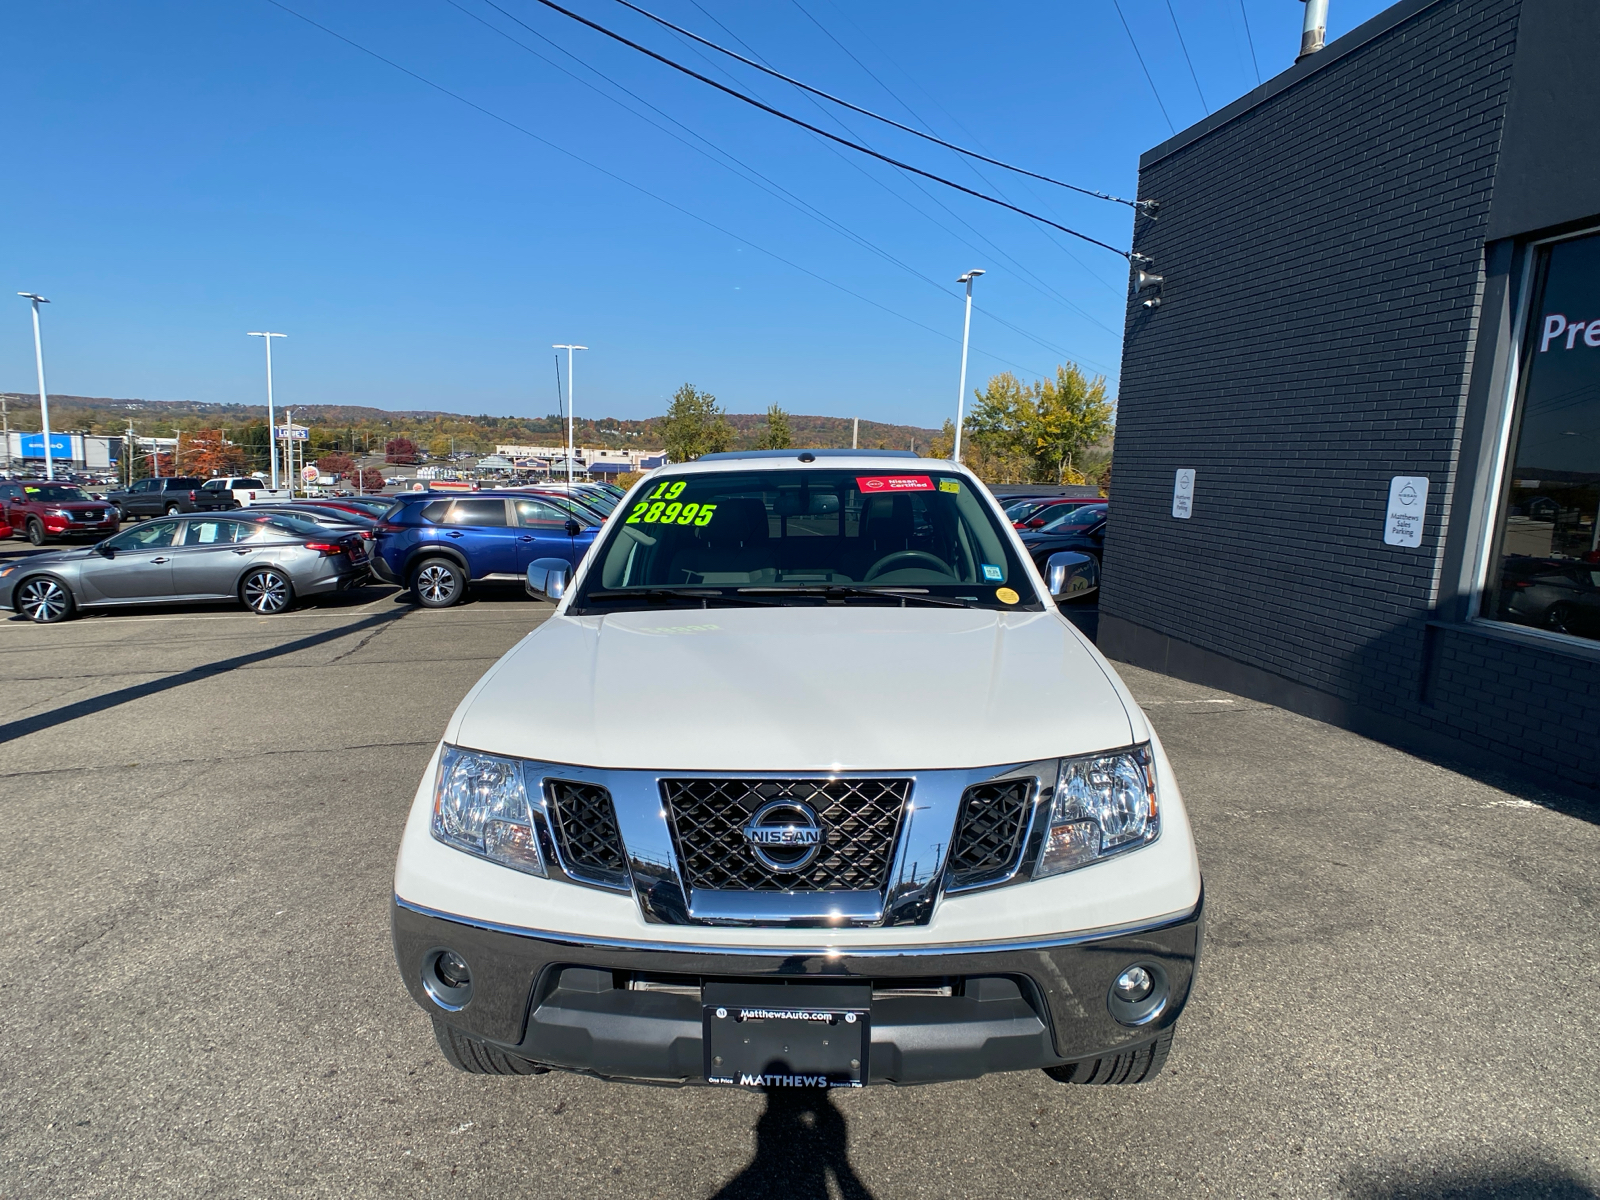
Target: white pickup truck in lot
[(829, 793), (249, 489)]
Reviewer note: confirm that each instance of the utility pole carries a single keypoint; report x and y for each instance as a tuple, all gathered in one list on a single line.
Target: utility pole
[(966, 333), (855, 434), (569, 350), (5, 420), (44, 396), (272, 428)]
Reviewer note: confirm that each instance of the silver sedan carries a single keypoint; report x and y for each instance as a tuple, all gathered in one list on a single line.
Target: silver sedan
[(263, 562)]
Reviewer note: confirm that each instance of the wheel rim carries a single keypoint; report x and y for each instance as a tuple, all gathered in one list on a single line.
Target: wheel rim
[(43, 600), (267, 592), (436, 583)]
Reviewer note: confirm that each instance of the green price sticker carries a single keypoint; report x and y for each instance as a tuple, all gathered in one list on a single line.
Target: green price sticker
[(662, 507)]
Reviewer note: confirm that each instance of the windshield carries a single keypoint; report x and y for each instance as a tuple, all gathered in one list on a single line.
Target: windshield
[(806, 537), (55, 493), (1075, 518)]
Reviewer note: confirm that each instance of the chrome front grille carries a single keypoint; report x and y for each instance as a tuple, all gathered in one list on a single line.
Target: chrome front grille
[(860, 820), (990, 831), (585, 827)]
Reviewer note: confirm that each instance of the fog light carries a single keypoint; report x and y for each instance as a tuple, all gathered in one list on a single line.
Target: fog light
[(453, 973), (1133, 985)]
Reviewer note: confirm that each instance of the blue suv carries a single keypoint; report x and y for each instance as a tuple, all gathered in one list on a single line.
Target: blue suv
[(436, 545)]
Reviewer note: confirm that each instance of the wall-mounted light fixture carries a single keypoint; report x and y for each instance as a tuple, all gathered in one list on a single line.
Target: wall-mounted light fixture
[(1144, 280)]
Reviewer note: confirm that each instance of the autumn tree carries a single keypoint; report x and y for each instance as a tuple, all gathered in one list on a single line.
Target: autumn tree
[(207, 452), (944, 442), (367, 479), (336, 464), (776, 435), (695, 425), (400, 450)]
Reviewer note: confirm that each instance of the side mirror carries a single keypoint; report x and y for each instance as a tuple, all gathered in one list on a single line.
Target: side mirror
[(573, 528), (1036, 523), (548, 578), (106, 550), (1070, 575)]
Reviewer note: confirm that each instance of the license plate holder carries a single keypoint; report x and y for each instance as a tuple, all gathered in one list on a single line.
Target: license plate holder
[(786, 1035)]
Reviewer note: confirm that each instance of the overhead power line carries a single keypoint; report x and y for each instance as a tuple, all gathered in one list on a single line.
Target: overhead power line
[(1204, 103), (853, 145), (867, 112), (578, 158), (1250, 38), (1132, 41), (711, 151)]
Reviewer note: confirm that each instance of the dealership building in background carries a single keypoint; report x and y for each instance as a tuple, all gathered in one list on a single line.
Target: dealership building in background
[(70, 451), (1358, 445)]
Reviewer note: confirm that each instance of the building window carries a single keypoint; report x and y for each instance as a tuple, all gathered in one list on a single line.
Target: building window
[(1545, 567)]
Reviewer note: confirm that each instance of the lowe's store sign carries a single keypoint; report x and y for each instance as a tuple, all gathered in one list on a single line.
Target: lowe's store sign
[(33, 445)]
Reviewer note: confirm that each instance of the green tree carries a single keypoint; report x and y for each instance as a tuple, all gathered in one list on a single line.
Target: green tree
[(776, 435), (1034, 433), (1070, 414), (694, 425)]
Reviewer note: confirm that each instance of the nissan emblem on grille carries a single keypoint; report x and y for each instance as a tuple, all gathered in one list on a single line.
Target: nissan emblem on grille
[(784, 835), (822, 834)]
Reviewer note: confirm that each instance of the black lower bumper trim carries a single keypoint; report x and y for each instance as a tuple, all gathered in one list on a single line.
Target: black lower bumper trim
[(634, 1012)]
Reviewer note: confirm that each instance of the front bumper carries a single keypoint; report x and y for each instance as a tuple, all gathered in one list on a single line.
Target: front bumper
[(632, 1010)]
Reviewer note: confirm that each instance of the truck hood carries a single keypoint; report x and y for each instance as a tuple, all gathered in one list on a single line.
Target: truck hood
[(799, 689)]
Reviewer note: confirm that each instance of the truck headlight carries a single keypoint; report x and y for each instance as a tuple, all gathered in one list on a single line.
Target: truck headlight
[(1104, 804), (480, 805)]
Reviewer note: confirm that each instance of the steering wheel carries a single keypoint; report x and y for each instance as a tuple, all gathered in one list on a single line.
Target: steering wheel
[(883, 564)]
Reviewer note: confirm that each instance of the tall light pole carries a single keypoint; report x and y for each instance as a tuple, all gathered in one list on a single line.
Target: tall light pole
[(569, 350), (272, 423), (44, 397), (966, 333)]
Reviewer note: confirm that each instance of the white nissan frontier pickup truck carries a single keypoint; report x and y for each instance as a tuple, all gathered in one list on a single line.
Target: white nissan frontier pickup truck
[(807, 782)]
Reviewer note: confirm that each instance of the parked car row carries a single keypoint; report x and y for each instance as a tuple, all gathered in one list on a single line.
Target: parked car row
[(270, 554), (264, 560), (40, 511)]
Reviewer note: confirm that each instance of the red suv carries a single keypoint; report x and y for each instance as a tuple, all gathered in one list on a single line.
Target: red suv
[(42, 510)]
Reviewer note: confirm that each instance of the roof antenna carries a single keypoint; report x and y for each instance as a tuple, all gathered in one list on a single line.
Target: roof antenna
[(1314, 35)]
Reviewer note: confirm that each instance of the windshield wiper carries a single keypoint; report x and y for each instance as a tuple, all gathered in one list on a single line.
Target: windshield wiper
[(703, 595), (832, 590)]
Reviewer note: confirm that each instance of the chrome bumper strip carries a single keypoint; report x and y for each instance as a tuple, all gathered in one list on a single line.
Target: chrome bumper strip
[(579, 941)]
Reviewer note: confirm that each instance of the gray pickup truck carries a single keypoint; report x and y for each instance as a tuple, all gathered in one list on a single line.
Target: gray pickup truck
[(164, 497)]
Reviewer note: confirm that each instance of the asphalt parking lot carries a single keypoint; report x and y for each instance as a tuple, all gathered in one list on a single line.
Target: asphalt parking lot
[(202, 808)]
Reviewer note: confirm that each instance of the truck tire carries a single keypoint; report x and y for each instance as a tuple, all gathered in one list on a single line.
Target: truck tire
[(438, 583), (1139, 1065), (122, 515), (43, 600), (36, 533), (480, 1058), (266, 592), (173, 510)]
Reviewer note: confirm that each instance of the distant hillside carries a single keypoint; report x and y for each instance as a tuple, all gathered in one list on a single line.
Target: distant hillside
[(153, 417)]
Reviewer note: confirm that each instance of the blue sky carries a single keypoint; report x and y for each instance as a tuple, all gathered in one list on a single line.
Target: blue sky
[(182, 172)]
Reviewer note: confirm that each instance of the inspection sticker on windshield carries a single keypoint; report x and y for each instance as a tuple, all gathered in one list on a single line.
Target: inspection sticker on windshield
[(949, 485), (894, 483), (992, 573)]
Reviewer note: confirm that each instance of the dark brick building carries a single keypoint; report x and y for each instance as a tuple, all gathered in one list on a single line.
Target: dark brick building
[(1365, 262)]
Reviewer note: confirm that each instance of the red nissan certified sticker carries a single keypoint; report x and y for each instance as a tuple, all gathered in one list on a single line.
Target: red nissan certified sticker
[(894, 483)]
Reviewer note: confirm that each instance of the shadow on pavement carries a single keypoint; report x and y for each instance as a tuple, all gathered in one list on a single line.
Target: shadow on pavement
[(71, 712), (1540, 1181), (802, 1141)]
